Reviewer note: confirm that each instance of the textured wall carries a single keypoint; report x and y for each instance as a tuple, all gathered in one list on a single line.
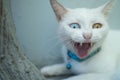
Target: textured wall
[(37, 27)]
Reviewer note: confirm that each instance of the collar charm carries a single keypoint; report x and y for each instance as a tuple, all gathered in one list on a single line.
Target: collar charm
[(68, 65), (76, 58)]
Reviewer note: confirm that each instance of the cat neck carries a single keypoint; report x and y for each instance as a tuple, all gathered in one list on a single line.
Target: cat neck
[(71, 55), (76, 58)]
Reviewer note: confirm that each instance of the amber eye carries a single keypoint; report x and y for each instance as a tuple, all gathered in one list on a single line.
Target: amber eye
[(97, 25)]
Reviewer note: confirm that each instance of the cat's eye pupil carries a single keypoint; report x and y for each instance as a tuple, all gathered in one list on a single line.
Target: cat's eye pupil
[(74, 25), (97, 25)]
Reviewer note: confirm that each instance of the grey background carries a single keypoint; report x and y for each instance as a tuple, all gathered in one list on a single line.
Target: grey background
[(36, 26)]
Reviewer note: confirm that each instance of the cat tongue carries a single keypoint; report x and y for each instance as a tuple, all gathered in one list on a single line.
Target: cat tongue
[(82, 50)]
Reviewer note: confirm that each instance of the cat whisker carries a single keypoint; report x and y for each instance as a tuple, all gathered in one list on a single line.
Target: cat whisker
[(53, 38), (53, 46)]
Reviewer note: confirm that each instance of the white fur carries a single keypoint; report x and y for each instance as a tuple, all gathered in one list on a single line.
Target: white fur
[(104, 61), (103, 65)]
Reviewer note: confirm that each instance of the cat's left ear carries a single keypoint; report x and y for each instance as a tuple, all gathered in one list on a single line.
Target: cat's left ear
[(106, 8)]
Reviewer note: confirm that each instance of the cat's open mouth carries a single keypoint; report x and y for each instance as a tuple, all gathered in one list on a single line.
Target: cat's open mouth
[(82, 49)]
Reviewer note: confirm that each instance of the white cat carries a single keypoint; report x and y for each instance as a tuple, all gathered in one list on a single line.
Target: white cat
[(90, 50)]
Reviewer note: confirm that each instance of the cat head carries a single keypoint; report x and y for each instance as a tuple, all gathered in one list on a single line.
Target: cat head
[(82, 30)]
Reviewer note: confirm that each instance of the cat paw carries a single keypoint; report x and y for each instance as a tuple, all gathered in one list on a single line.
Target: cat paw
[(55, 70), (48, 71)]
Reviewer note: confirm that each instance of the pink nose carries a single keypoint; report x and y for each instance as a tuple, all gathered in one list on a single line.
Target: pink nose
[(87, 35)]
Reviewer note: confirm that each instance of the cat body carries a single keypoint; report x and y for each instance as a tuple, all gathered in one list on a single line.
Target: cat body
[(85, 34), (104, 61)]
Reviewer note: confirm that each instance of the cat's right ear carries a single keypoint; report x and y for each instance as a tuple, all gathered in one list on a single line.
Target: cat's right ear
[(58, 9)]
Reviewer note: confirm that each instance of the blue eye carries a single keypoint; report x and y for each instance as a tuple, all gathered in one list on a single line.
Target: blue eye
[(74, 25)]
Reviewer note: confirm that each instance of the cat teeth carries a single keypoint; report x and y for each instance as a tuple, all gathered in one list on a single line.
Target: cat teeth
[(81, 44)]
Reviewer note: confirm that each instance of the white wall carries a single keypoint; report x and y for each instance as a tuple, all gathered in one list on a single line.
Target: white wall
[(37, 27)]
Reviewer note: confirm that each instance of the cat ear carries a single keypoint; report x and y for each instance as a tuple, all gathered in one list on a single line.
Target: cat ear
[(58, 9), (106, 8)]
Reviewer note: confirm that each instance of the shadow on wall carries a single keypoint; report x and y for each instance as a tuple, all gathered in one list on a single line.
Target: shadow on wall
[(37, 27)]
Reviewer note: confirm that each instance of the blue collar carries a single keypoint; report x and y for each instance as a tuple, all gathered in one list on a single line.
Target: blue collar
[(76, 58)]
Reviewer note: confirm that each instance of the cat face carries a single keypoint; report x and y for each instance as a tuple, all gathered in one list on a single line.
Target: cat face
[(82, 30)]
